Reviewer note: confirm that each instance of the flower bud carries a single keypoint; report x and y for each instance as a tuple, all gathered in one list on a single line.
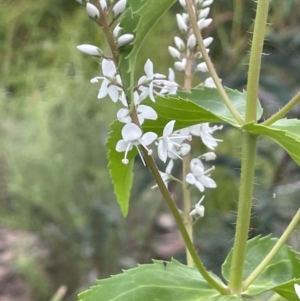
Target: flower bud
[(191, 42), (117, 30), (181, 23), (125, 39), (119, 8), (209, 83), (201, 67), (180, 66), (203, 23), (204, 12), (182, 3), (207, 3), (179, 43), (90, 50), (174, 53), (103, 4), (208, 156), (92, 11), (207, 41)]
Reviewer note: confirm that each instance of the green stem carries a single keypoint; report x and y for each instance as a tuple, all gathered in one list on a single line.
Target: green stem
[(274, 251), (255, 59), (283, 111), (210, 66), (244, 212), (187, 219), (166, 194)]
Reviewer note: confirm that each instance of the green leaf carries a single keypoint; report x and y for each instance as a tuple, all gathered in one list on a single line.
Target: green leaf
[(286, 132), (198, 106), (121, 174), (138, 20), (280, 273), (154, 282)]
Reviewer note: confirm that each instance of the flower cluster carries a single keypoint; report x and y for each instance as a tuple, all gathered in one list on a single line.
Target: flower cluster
[(173, 144), (186, 46)]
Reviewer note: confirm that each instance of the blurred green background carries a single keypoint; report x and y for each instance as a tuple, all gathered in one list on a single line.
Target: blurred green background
[(54, 182)]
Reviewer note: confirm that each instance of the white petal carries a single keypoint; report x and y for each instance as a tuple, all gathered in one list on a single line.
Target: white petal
[(122, 146), (123, 116), (108, 68), (171, 75), (131, 132), (125, 39), (190, 178), (149, 69), (162, 151), (150, 91), (103, 90), (148, 138), (119, 8), (297, 289), (169, 167), (208, 182), (199, 186), (113, 92), (92, 11), (168, 130), (185, 149), (90, 50), (147, 112)]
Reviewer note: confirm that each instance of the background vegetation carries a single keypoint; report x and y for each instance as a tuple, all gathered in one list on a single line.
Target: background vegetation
[(53, 176)]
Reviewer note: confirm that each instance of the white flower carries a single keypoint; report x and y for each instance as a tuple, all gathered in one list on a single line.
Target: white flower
[(180, 66), (191, 42), (90, 50), (179, 43), (110, 81), (203, 23), (181, 23), (133, 136), (198, 176), (174, 53), (124, 39), (297, 289), (149, 79), (143, 112), (204, 131), (168, 140), (202, 67), (166, 176), (119, 8), (170, 87), (179, 150), (199, 209), (92, 11)]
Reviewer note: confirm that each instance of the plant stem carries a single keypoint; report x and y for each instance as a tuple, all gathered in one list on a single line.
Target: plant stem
[(166, 194), (210, 66), (244, 212), (283, 111), (255, 59), (187, 219), (274, 251)]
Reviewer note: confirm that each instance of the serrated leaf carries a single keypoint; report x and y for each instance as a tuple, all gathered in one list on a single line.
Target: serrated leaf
[(139, 20), (279, 274), (197, 106), (286, 132), (153, 282), (121, 174)]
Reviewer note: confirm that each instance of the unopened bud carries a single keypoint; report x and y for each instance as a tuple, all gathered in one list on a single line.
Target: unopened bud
[(203, 23), (207, 3), (119, 8), (179, 43), (92, 11), (174, 53), (181, 23), (90, 50), (125, 39), (191, 42), (207, 41), (202, 67), (180, 66), (103, 4)]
